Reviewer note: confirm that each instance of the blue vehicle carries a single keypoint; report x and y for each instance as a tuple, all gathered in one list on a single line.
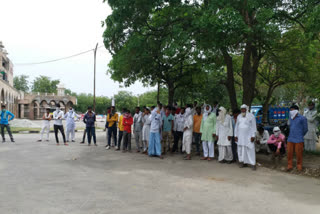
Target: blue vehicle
[(277, 115)]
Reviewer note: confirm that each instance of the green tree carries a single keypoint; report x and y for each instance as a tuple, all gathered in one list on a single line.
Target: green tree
[(44, 84), (21, 83), (152, 41), (232, 28), (124, 99)]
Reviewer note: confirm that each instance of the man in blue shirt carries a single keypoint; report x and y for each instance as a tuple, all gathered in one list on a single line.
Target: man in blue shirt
[(4, 123), (298, 129)]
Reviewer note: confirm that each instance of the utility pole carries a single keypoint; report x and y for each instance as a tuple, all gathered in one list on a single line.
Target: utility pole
[(94, 79)]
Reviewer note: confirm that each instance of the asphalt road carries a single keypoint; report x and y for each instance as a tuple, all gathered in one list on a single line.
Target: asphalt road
[(42, 178)]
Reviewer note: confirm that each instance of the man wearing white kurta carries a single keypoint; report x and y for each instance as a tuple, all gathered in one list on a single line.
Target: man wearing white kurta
[(187, 133), (311, 138), (46, 124), (224, 132), (245, 132), (71, 126)]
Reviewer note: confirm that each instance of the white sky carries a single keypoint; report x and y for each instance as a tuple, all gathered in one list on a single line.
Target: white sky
[(41, 30)]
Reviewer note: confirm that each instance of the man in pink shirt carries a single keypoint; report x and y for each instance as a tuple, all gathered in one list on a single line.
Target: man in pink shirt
[(277, 143)]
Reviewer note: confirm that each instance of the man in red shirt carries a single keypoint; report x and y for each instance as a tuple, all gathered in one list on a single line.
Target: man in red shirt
[(127, 123)]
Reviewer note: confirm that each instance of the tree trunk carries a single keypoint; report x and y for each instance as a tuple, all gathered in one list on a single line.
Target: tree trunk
[(171, 90), (158, 93), (230, 81), (265, 105), (249, 73)]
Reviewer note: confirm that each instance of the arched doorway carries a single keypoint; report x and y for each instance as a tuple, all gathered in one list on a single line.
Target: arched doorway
[(35, 110), (69, 104), (43, 106), (2, 96)]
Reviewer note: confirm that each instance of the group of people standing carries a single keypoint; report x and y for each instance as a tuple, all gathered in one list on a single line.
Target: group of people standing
[(158, 130)]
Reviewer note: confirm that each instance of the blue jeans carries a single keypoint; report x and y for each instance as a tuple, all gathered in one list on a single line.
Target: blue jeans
[(112, 131), (91, 132)]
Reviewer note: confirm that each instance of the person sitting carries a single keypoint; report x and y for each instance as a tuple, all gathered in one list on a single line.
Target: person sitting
[(277, 143), (261, 140)]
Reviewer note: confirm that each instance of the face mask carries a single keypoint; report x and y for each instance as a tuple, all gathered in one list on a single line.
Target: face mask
[(58, 109), (276, 134), (71, 111), (4, 110), (243, 114), (293, 113)]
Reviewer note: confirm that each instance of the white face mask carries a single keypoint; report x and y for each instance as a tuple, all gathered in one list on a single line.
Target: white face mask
[(293, 113), (58, 109), (243, 114), (277, 134)]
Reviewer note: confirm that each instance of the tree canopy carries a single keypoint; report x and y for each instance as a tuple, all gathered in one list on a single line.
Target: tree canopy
[(44, 84), (21, 83), (182, 44)]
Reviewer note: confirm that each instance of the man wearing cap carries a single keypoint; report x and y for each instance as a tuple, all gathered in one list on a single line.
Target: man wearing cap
[(245, 133), (311, 138), (298, 129)]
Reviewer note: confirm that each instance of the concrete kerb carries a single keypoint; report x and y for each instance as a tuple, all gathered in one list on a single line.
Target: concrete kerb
[(38, 132)]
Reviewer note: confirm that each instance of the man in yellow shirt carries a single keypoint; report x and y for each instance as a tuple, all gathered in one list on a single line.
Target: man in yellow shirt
[(197, 118), (121, 129), (112, 120)]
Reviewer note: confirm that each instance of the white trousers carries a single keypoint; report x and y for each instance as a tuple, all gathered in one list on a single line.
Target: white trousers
[(247, 155), (208, 149), (225, 153), (47, 129), (72, 132), (310, 145)]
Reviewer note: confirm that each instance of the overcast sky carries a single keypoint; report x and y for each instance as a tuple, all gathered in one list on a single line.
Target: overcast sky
[(41, 30)]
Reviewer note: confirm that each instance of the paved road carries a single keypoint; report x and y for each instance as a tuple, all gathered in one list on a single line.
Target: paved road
[(42, 178)]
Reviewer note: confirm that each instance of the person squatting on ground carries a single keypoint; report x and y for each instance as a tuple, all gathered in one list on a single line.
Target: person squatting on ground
[(137, 128), (58, 115), (298, 129), (167, 129), (208, 130), (197, 118), (179, 125), (244, 136), (46, 124), (70, 122), (90, 119), (187, 133), (112, 119), (262, 137), (224, 132), (154, 149), (311, 138), (146, 121), (277, 144), (127, 123), (4, 123)]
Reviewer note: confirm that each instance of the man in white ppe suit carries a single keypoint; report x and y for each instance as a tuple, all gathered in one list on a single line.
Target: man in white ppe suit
[(187, 133), (71, 126), (224, 132), (245, 132), (311, 138)]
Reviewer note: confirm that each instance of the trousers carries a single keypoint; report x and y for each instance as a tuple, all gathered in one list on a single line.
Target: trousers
[(295, 148), (112, 131), (45, 128), (208, 149), (8, 130), (126, 141), (59, 128), (138, 137), (91, 132)]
